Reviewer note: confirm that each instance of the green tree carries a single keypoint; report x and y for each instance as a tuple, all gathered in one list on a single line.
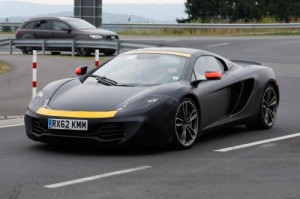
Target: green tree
[(202, 9), (245, 10)]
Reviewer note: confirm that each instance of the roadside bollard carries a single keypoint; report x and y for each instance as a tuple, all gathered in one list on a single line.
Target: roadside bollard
[(34, 73), (97, 62)]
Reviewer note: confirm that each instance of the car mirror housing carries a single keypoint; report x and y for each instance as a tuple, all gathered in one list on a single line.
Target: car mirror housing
[(66, 29), (213, 75), (81, 70)]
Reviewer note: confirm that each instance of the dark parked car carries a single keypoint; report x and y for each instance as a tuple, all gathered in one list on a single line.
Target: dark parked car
[(63, 28), (155, 96)]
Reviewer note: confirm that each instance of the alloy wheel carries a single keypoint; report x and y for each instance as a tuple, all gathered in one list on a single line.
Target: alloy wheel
[(269, 106), (186, 123)]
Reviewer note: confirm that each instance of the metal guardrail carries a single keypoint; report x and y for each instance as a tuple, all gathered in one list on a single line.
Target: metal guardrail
[(202, 26), (44, 44), (184, 26)]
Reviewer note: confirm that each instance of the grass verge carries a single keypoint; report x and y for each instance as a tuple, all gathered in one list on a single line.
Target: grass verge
[(4, 67), (211, 32)]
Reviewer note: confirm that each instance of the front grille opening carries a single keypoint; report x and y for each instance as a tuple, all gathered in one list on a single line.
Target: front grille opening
[(111, 132), (37, 127), (106, 132)]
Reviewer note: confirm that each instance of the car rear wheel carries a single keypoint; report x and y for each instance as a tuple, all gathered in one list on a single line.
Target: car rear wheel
[(27, 50), (186, 124), (83, 52), (268, 110)]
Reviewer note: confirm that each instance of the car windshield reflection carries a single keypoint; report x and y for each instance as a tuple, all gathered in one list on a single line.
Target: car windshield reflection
[(143, 69)]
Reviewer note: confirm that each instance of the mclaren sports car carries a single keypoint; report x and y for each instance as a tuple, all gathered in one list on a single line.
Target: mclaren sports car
[(154, 96)]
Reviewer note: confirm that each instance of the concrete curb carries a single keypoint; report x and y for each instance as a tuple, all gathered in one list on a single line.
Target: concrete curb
[(11, 117)]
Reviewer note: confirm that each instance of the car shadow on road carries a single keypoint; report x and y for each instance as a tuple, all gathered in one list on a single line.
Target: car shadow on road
[(87, 149), (92, 149)]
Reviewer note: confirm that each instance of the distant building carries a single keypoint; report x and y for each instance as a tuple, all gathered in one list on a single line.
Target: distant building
[(89, 10)]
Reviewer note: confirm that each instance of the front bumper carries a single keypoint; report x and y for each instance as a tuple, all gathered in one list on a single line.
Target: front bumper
[(152, 126)]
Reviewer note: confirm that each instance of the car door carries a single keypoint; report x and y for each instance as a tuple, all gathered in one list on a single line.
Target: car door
[(213, 95), (61, 30), (43, 29)]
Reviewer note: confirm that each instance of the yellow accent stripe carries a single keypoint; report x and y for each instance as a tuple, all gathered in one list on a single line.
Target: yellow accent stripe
[(76, 114), (159, 52)]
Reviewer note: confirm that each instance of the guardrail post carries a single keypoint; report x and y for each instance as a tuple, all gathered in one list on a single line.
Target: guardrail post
[(10, 46), (73, 48), (44, 46), (118, 47)]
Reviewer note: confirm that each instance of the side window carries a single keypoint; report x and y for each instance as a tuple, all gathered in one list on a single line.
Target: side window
[(59, 26), (43, 25), (206, 63), (30, 25)]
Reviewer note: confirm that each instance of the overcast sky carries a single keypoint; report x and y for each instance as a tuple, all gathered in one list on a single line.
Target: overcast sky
[(104, 1)]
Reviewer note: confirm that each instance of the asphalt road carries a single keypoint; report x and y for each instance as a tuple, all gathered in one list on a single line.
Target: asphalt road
[(269, 170)]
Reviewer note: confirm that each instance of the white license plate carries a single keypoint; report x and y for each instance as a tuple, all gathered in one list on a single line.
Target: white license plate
[(65, 124)]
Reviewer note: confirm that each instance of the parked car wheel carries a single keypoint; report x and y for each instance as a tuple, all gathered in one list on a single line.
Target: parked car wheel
[(109, 52), (83, 52), (55, 53)]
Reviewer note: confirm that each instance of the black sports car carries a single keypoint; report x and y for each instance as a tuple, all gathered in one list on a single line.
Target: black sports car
[(155, 96)]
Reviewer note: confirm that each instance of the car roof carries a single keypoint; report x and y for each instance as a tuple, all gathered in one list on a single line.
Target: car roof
[(48, 18)]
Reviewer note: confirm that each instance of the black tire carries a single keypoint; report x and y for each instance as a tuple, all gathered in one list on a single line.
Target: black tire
[(83, 52), (55, 53), (186, 124), (109, 52), (267, 111), (27, 50)]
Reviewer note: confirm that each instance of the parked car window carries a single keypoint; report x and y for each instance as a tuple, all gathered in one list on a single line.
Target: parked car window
[(30, 25), (79, 24), (59, 26), (206, 63), (43, 25)]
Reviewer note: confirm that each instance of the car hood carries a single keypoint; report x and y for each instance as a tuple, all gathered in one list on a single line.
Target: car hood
[(76, 96), (99, 32)]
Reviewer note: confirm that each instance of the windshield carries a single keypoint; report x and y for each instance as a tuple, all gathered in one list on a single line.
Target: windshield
[(143, 69), (79, 24)]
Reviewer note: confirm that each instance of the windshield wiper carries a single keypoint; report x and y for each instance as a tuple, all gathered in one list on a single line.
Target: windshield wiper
[(126, 85), (105, 80)]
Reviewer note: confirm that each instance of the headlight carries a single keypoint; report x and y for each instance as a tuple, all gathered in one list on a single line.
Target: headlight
[(39, 101), (96, 37), (141, 103)]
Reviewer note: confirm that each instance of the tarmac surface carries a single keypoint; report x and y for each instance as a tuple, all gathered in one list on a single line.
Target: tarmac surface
[(266, 167)]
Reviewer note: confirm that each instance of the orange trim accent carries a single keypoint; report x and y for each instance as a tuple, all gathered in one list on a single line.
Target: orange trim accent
[(213, 75), (78, 71)]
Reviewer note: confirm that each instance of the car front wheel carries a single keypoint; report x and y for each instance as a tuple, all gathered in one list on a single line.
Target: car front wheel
[(186, 124), (83, 52)]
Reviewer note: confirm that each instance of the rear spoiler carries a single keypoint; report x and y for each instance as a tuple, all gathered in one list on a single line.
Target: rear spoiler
[(245, 63)]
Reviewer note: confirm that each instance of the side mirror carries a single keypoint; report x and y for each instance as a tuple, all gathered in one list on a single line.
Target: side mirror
[(213, 75), (66, 29), (81, 70)]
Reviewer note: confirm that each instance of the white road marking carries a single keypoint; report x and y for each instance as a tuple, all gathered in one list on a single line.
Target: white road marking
[(97, 177), (258, 143), (214, 45), (13, 125), (11, 121)]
